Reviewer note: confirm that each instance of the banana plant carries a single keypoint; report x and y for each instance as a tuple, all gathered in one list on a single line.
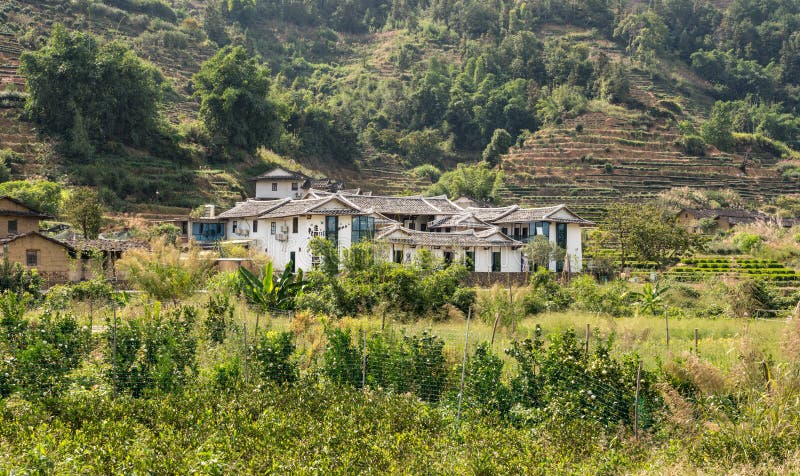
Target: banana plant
[(652, 297), (270, 293)]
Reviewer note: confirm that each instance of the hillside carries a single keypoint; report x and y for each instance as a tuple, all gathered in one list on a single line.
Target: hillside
[(380, 90)]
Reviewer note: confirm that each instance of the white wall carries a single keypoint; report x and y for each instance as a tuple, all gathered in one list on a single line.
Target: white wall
[(510, 259), (264, 189), (279, 250), (575, 247)]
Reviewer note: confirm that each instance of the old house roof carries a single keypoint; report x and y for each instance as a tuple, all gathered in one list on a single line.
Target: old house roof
[(734, 215), (459, 239), (9, 239), (107, 245), (252, 208), (28, 212), (279, 173)]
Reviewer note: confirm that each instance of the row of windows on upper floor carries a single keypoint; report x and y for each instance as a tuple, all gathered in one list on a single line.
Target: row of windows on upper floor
[(295, 186)]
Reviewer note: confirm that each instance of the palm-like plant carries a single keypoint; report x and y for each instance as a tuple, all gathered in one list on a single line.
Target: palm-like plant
[(268, 293), (651, 298)]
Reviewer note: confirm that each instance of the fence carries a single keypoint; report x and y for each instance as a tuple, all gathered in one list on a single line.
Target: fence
[(573, 375)]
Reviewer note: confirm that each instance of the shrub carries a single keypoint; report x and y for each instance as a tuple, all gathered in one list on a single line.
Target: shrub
[(273, 354), (342, 361), (562, 380), (219, 316), (42, 353), (747, 242), (155, 352), (545, 294), (693, 145), (18, 280), (427, 171)]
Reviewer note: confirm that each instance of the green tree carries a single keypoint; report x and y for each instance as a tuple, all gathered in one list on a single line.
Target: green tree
[(477, 182), (718, 128), (234, 100), (501, 141), (39, 194), (645, 35), (646, 232), (82, 208), (562, 102), (90, 93)]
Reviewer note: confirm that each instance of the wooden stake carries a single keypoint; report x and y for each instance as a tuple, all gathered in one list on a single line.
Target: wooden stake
[(666, 327), (494, 329), (364, 362), (463, 370), (695, 341), (588, 335), (636, 400), (245, 352)]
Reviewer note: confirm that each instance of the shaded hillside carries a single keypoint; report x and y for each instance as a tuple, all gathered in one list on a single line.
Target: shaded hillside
[(369, 90)]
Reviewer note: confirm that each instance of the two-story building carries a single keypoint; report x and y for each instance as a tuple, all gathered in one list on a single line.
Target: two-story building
[(558, 224), (280, 183), (487, 239)]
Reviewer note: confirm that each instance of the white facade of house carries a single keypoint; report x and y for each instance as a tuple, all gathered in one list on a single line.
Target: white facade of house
[(486, 248), (494, 238), (280, 183)]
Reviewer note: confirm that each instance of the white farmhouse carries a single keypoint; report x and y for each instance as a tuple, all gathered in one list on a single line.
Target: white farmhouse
[(486, 239)]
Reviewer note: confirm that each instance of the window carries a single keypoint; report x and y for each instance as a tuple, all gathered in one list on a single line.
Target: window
[(255, 226), (496, 266), (273, 227), (294, 186), (398, 256), (274, 186), (235, 226), (363, 228), (12, 227), (448, 258), (295, 224), (292, 261), (469, 260), (32, 257)]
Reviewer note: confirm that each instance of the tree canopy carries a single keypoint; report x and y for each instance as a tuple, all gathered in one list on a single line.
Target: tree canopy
[(234, 100), (89, 93)]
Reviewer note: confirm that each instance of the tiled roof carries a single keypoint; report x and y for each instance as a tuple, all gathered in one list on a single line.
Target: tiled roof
[(11, 238), (522, 215), (734, 215), (107, 245), (317, 206), (413, 205), (492, 214), (459, 239), (30, 212), (288, 175), (252, 208), (444, 205), (464, 220)]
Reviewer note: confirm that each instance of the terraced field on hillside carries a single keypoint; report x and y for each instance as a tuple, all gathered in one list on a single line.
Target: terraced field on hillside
[(596, 159)]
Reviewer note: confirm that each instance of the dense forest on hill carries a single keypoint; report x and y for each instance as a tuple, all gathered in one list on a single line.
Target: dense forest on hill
[(184, 94)]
